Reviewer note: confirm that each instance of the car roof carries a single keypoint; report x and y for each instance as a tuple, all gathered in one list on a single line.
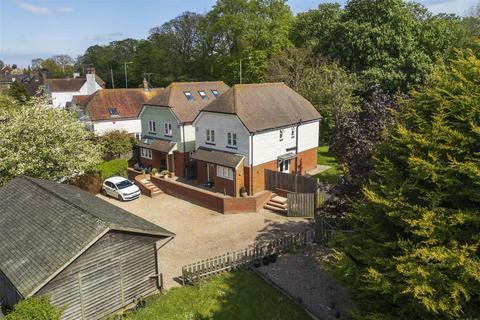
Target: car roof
[(116, 179)]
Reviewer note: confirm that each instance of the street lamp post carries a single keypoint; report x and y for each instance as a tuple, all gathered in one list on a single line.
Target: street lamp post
[(247, 58), (126, 77)]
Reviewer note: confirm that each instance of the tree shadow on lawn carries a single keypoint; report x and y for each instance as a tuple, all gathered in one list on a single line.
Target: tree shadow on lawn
[(240, 294)]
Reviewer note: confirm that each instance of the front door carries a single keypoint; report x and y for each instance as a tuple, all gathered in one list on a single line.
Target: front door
[(284, 166), (210, 172)]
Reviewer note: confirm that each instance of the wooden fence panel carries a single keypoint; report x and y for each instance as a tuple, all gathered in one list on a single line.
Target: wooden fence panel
[(301, 204), (231, 260), (293, 183)]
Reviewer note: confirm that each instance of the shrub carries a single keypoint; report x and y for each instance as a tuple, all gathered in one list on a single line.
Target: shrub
[(116, 143), (37, 308), (116, 167), (90, 182)]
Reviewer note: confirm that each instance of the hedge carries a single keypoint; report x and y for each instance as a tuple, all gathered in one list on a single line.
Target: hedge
[(37, 308), (116, 167)]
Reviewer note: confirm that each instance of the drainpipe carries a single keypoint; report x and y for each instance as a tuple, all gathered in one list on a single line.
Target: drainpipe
[(184, 150), (296, 146), (251, 164)]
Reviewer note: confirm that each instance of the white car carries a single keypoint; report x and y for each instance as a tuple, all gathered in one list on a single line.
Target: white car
[(120, 188)]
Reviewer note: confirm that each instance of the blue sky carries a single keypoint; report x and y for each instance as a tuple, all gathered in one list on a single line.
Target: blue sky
[(42, 28)]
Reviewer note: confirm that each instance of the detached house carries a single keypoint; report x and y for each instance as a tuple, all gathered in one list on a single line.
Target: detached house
[(253, 127), (62, 91), (168, 136), (113, 109)]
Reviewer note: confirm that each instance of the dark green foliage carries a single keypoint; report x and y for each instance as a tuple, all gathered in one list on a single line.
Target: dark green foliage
[(116, 143), (18, 92), (34, 308), (388, 42), (414, 252), (116, 167)]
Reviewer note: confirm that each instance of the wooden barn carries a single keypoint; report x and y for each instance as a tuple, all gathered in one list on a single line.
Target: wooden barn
[(89, 256)]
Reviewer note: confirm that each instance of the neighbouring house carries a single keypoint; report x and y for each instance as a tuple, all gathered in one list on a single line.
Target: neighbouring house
[(113, 109), (250, 128), (168, 136), (62, 91), (89, 256), (9, 74)]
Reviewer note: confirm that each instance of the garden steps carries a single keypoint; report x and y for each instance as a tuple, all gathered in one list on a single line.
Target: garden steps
[(154, 190), (277, 204)]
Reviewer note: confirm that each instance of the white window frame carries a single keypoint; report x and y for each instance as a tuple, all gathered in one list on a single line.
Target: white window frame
[(210, 136), (280, 137), (167, 128), (232, 139), (225, 172), (152, 126), (146, 153), (293, 132), (282, 167)]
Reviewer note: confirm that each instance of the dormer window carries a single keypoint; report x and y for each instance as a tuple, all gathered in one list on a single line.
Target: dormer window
[(215, 93), (203, 95), (113, 112), (189, 95)]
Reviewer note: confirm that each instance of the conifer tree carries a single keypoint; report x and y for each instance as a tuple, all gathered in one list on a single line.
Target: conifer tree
[(415, 249)]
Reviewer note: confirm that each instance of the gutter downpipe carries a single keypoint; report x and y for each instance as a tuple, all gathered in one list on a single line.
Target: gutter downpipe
[(251, 164), (184, 150), (296, 146)]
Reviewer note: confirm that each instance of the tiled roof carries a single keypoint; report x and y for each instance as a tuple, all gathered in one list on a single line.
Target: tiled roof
[(264, 106), (222, 158), (156, 144), (127, 102), (186, 110), (44, 225), (81, 100), (68, 85)]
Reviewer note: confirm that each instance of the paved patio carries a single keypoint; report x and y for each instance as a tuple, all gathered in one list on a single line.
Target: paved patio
[(203, 233)]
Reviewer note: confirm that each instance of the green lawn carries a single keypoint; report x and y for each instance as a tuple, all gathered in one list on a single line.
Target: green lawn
[(332, 175), (235, 295)]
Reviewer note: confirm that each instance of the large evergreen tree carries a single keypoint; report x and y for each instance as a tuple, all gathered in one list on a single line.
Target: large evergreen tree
[(415, 249)]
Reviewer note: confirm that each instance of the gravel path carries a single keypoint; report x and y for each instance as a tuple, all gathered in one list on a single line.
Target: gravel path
[(304, 280), (202, 233)]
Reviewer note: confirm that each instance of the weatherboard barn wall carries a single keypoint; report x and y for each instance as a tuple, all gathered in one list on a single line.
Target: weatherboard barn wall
[(8, 294), (114, 271)]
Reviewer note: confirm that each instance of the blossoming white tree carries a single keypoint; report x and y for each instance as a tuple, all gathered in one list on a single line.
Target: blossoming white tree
[(43, 142)]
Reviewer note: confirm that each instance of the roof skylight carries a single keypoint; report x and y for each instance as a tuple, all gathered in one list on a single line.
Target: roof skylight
[(215, 93), (113, 111), (189, 95), (203, 95)]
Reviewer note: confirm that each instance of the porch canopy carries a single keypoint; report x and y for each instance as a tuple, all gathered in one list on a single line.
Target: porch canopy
[(287, 156), (225, 159), (157, 144)]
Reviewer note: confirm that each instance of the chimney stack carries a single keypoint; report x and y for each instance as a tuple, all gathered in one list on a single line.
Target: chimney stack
[(146, 87), (91, 81)]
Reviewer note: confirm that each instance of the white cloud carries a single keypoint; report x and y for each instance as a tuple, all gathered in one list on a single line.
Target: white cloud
[(43, 9), (104, 37)]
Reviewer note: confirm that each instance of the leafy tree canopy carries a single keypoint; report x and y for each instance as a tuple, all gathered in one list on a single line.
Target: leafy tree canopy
[(325, 84), (116, 142), (43, 142), (415, 246), (18, 92)]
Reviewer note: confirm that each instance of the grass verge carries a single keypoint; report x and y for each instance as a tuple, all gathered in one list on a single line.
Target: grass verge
[(234, 295), (332, 175)]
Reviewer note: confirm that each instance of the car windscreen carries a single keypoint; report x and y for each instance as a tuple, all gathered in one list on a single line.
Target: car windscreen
[(124, 184)]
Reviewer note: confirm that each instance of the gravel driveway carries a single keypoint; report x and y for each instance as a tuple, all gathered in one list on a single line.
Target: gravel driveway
[(203, 233)]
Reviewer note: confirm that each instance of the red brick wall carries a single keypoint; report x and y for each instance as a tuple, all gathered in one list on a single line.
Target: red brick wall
[(181, 159), (221, 184), (155, 161), (306, 160), (209, 200)]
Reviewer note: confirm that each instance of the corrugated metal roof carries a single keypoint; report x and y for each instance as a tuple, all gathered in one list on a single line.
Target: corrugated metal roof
[(44, 225), (264, 106)]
